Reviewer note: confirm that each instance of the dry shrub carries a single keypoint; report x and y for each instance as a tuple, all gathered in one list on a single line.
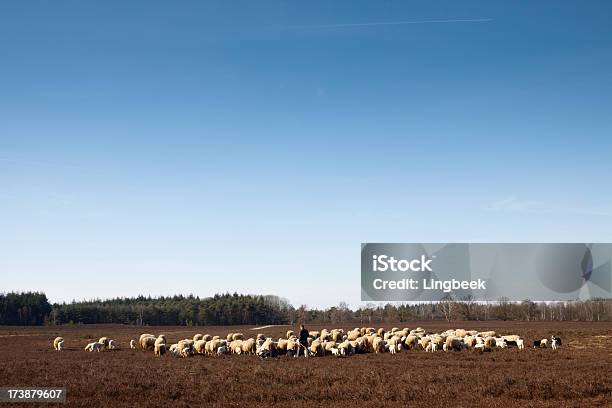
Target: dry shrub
[(571, 376)]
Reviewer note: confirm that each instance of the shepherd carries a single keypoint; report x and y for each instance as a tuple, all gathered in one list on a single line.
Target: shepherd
[(303, 341)]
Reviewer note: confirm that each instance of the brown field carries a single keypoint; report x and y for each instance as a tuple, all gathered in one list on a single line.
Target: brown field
[(577, 375)]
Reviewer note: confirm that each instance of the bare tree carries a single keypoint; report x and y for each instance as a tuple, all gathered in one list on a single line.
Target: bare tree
[(301, 313), (528, 309), (343, 311), (467, 307), (504, 309), (447, 306)]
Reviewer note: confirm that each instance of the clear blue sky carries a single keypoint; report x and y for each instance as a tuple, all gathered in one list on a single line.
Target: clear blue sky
[(196, 147)]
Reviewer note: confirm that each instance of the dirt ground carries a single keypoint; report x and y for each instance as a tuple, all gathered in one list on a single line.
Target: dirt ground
[(579, 374)]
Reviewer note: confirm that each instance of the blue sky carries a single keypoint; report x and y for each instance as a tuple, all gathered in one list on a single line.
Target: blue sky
[(200, 147)]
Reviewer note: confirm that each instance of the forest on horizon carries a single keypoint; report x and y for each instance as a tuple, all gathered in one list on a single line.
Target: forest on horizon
[(33, 308)]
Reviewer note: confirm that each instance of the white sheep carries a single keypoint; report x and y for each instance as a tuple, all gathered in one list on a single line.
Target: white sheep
[(316, 348), (211, 346), (112, 345), (378, 345), (56, 341), (500, 342), (553, 343), (424, 342), (248, 346), (479, 347), (185, 347), (174, 351), (234, 346), (520, 344), (489, 342), (160, 340), (104, 340), (60, 345), (267, 348), (96, 345), (411, 342), (469, 341), (160, 348), (335, 351), (132, 344), (394, 344), (200, 346), (147, 342), (354, 334), (293, 347), (394, 348), (511, 339)]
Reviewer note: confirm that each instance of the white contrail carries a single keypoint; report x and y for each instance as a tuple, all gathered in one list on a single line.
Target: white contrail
[(384, 23)]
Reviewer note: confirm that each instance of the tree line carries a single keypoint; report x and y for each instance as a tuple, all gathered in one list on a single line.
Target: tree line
[(190, 310), (24, 309), (33, 308)]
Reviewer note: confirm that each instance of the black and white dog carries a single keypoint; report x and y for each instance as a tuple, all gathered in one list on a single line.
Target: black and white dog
[(555, 341)]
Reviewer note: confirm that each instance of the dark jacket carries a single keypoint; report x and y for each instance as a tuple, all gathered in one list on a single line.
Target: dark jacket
[(304, 336)]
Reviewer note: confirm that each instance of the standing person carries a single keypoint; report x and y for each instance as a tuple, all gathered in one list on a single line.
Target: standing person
[(303, 341)]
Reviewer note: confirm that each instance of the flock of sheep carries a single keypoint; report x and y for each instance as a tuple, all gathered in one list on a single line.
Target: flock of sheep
[(102, 344), (334, 342)]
